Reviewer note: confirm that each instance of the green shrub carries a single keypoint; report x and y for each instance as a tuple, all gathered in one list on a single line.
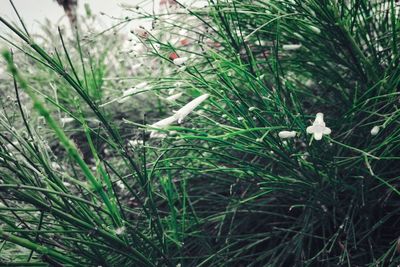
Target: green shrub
[(236, 178)]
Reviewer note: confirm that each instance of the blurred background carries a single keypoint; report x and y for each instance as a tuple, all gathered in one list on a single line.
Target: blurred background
[(35, 12)]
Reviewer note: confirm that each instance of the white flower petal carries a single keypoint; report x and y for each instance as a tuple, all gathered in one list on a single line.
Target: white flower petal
[(164, 122), (174, 97), (318, 136), (318, 128), (375, 130), (291, 46), (180, 61), (319, 119), (286, 134), (135, 142), (327, 130), (120, 230), (189, 107)]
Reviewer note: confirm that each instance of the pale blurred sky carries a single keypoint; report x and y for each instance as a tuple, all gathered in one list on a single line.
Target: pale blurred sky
[(35, 11)]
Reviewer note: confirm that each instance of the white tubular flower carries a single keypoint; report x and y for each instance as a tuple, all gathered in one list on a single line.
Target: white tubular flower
[(286, 134), (180, 61), (181, 114), (315, 29), (164, 122), (161, 125), (375, 130), (318, 128), (174, 97), (291, 46)]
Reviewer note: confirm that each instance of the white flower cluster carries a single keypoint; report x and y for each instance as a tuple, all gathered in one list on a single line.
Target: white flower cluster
[(317, 129)]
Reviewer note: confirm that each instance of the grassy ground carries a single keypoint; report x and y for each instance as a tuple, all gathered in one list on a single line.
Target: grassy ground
[(106, 159)]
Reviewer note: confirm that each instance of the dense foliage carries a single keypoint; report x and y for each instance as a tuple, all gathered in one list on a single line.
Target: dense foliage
[(208, 158)]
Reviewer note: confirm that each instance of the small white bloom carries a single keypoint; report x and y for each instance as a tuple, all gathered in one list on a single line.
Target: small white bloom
[(240, 118), (135, 142), (66, 120), (181, 114), (174, 97), (120, 184), (120, 230), (291, 46), (318, 128), (180, 61), (309, 83), (107, 152), (286, 134), (315, 29), (141, 85), (155, 135), (252, 108), (375, 130), (55, 165)]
